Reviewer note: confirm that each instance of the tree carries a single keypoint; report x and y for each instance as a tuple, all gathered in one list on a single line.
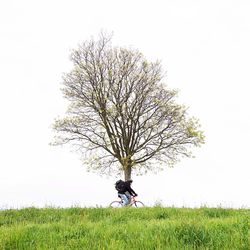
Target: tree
[(121, 116)]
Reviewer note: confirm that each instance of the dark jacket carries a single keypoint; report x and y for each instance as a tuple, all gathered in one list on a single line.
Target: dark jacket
[(127, 188)]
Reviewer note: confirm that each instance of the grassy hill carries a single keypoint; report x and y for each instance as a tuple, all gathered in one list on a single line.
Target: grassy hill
[(125, 228)]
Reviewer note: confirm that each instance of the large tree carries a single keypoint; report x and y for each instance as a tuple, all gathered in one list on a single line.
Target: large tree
[(121, 116)]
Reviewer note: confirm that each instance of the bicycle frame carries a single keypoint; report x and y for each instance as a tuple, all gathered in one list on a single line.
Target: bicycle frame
[(133, 202)]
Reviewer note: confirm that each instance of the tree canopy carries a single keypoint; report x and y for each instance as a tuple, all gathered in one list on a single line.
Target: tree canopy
[(121, 115)]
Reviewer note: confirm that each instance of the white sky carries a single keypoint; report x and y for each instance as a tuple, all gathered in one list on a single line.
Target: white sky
[(203, 45)]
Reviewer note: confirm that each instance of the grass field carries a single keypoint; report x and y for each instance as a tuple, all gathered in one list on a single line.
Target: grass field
[(125, 228)]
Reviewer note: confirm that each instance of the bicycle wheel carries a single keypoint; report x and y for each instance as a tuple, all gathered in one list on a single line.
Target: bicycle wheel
[(115, 204), (138, 204)]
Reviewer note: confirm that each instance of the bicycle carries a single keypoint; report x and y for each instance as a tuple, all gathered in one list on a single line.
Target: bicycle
[(133, 203)]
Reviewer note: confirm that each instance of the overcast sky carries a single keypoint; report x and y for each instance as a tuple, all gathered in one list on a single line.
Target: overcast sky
[(203, 46)]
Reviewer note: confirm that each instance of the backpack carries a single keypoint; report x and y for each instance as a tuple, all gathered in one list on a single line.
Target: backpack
[(120, 186)]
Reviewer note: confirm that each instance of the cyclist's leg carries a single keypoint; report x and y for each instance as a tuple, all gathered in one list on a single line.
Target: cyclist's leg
[(128, 196), (125, 200)]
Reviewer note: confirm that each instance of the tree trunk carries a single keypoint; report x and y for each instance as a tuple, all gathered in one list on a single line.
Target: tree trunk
[(127, 167), (127, 173)]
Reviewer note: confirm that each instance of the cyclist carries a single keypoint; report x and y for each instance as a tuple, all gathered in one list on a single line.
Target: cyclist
[(125, 191)]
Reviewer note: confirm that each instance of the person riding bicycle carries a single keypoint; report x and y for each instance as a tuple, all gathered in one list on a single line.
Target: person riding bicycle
[(125, 191)]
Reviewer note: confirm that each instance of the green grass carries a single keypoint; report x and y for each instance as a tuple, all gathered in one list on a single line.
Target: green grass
[(125, 228)]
